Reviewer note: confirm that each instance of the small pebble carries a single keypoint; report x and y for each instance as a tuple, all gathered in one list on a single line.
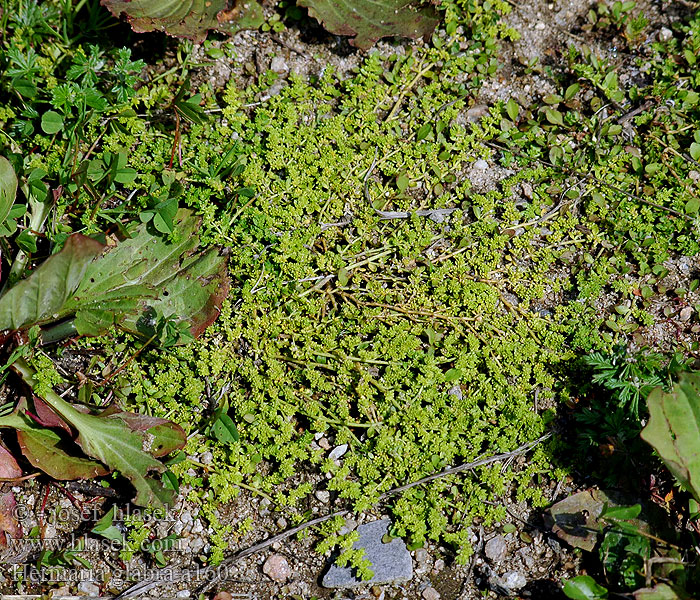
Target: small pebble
[(196, 545), (430, 593), (323, 496), (324, 443), (686, 313), (88, 588), (206, 458), (476, 112), (223, 596), (512, 581), (277, 568), (182, 594), (197, 527), (338, 451), (495, 549), (481, 164), (439, 565), (282, 523), (455, 391), (540, 26), (421, 555), (351, 524), (279, 65), (665, 34), (186, 517)]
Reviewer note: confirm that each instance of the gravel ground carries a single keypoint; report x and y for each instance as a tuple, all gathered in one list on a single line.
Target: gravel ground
[(527, 560)]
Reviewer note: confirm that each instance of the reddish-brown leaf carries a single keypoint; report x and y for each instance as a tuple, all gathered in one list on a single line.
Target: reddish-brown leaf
[(9, 525)]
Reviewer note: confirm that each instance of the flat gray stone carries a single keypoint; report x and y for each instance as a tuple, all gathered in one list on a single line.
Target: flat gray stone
[(391, 562)]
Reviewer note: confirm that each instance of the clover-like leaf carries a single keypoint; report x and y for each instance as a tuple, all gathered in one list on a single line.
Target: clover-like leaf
[(370, 20)]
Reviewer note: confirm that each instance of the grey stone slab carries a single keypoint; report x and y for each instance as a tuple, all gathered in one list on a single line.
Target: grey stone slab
[(391, 562)]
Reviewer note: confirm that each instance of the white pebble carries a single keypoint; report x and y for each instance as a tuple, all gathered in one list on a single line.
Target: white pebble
[(338, 451), (323, 496), (665, 34)]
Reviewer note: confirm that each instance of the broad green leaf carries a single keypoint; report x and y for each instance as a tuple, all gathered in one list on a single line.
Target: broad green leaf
[(171, 482), (513, 109), (147, 274), (42, 296), (695, 151), (552, 99), (674, 430), (621, 512), (26, 241), (8, 188), (163, 436), (224, 430), (10, 225), (554, 116), (571, 91), (106, 527), (453, 375), (370, 20), (188, 18), (47, 450), (24, 87), (129, 284), (111, 441), (424, 131), (660, 591), (584, 587)]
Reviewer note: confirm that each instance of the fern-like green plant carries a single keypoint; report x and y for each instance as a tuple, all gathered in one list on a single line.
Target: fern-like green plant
[(630, 378)]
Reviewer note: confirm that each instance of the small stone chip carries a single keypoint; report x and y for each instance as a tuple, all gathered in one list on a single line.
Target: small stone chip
[(277, 568)]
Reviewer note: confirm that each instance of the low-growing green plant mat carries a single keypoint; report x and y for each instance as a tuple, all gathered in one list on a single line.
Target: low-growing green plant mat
[(379, 297)]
